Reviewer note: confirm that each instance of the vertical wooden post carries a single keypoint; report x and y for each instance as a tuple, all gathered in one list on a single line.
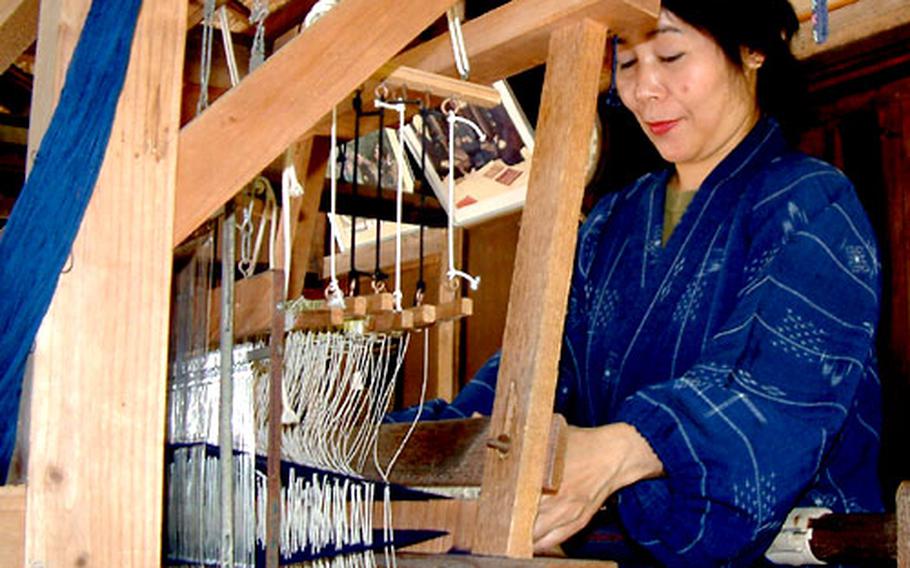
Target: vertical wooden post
[(903, 525), (96, 459), (315, 162), (534, 324), (276, 375)]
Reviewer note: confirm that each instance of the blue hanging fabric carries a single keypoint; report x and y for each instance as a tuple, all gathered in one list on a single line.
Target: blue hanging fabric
[(820, 28), (47, 215)]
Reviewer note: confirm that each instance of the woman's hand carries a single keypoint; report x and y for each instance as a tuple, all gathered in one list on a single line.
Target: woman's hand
[(599, 462)]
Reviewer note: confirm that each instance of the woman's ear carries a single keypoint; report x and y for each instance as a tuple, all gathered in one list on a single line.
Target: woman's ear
[(752, 60)]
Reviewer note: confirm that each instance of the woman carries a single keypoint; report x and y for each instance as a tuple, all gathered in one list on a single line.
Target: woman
[(718, 364)]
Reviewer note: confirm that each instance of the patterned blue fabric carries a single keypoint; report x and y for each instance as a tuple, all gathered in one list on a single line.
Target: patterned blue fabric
[(743, 351)]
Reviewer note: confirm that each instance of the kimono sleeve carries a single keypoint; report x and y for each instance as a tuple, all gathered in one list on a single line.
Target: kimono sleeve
[(745, 431)]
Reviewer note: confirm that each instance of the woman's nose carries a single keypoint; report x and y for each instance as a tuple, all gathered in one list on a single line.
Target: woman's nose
[(648, 82)]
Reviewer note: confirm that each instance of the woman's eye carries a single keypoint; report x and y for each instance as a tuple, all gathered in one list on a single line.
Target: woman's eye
[(671, 58), (626, 64)]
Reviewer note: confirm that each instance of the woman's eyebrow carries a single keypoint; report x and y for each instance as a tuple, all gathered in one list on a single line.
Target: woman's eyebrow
[(653, 33)]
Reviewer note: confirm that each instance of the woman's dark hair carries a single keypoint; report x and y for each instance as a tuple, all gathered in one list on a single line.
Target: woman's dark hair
[(764, 26)]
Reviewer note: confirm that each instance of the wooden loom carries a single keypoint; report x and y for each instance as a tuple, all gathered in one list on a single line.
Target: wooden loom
[(95, 451)]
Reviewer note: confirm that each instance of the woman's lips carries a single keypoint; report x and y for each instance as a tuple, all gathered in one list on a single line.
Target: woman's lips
[(659, 128)]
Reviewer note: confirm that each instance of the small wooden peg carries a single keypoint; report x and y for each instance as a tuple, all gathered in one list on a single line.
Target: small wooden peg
[(460, 308)]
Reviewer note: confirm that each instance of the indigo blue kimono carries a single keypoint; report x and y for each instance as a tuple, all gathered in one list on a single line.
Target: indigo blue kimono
[(743, 351)]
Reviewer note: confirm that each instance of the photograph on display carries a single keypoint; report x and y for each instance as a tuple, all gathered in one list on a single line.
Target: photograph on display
[(491, 175)]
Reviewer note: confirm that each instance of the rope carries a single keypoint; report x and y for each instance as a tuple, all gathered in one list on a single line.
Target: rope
[(258, 14), (333, 292), (453, 119), (319, 10), (48, 212), (205, 67), (398, 149), (458, 47), (228, 42)]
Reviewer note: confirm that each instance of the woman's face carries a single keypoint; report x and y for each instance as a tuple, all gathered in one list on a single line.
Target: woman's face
[(691, 101)]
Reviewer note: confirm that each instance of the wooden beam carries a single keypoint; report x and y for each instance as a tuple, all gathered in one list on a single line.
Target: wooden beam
[(537, 301), (462, 561), (444, 87), (12, 525), (96, 465), (196, 12), (308, 217), (300, 154), (450, 453), (250, 125), (853, 22), (18, 29), (854, 539), (903, 525), (505, 41), (58, 32)]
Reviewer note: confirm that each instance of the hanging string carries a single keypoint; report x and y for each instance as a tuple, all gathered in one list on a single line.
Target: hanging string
[(398, 149), (379, 277), (458, 47), (228, 42), (319, 10), (612, 98), (258, 15), (333, 293), (50, 208), (205, 67), (354, 274), (820, 29), (290, 188), (450, 108), (421, 288)]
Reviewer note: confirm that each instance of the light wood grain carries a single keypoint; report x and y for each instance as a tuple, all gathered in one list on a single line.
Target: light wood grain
[(505, 42), (307, 238), (537, 301), (12, 525), (18, 29), (804, 7), (444, 87), (903, 525), (461, 561), (96, 463), (249, 126), (853, 22)]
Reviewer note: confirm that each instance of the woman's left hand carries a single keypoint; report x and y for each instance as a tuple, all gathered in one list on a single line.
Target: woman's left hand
[(598, 462)]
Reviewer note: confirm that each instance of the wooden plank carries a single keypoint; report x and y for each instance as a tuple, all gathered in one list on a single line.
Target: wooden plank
[(853, 22), (308, 215), (854, 539), (903, 525), (505, 41), (96, 463), (58, 32), (457, 517), (411, 79), (273, 456), (312, 320), (456, 309), (450, 453), (196, 12), (300, 154), (252, 315), (537, 304), (250, 125), (18, 29), (462, 561), (12, 525)]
